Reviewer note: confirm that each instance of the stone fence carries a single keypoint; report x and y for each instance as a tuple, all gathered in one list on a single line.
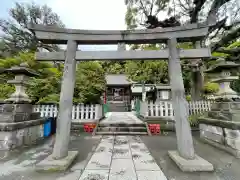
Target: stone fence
[(221, 127)]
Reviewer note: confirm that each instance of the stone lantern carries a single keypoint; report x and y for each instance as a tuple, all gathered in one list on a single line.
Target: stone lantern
[(19, 125), (222, 75), (22, 74), (220, 125)]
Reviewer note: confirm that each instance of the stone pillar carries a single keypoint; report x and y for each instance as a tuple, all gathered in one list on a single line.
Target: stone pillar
[(65, 107), (180, 105), (143, 92)]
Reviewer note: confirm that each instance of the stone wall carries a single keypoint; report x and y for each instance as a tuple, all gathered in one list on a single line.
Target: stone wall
[(223, 138), (26, 136)]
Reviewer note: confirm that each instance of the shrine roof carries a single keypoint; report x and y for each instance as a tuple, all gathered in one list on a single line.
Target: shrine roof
[(117, 79)]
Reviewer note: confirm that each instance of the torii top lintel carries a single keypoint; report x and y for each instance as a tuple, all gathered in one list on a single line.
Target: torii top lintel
[(55, 35)]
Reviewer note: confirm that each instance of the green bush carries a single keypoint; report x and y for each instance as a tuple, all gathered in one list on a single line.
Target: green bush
[(188, 98), (210, 88), (193, 120)]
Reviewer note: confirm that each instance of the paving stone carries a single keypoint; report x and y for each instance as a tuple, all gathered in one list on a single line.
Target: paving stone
[(121, 138), (107, 140), (151, 175), (99, 161), (108, 137), (123, 146), (121, 117), (94, 174), (104, 147), (140, 154), (146, 164), (123, 142), (144, 161), (137, 146), (122, 169), (135, 139), (121, 153)]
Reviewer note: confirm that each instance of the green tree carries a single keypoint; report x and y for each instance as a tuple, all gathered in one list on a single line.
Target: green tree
[(147, 71), (17, 36), (42, 68), (90, 82), (5, 90), (39, 88), (113, 67), (45, 90), (210, 88)]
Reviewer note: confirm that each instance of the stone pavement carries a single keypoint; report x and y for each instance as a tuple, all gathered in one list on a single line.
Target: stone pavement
[(121, 117), (122, 158), (20, 165)]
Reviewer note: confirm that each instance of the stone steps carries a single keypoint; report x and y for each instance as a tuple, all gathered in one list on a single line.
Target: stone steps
[(121, 133), (121, 125), (121, 129)]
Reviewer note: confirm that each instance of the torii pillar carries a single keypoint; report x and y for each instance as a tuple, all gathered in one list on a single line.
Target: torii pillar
[(61, 158), (185, 157)]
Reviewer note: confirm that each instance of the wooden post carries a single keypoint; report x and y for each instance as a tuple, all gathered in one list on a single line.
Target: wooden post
[(66, 97), (180, 105)]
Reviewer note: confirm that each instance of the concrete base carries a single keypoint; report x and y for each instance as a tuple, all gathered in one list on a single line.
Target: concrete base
[(197, 164), (52, 165)]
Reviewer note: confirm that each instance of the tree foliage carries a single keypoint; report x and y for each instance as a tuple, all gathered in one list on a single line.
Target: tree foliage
[(223, 13), (40, 87), (5, 90), (17, 36), (147, 71), (145, 12), (210, 88), (90, 82)]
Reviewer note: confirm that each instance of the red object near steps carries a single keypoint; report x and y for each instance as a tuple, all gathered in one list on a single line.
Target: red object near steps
[(154, 128), (89, 127)]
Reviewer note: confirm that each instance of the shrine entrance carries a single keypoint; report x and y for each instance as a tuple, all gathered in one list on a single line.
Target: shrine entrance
[(118, 93), (119, 100), (185, 155)]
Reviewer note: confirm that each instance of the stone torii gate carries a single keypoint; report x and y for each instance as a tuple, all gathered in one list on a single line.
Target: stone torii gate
[(185, 157)]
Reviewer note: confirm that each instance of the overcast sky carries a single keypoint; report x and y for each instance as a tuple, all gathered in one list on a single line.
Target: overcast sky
[(82, 14)]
